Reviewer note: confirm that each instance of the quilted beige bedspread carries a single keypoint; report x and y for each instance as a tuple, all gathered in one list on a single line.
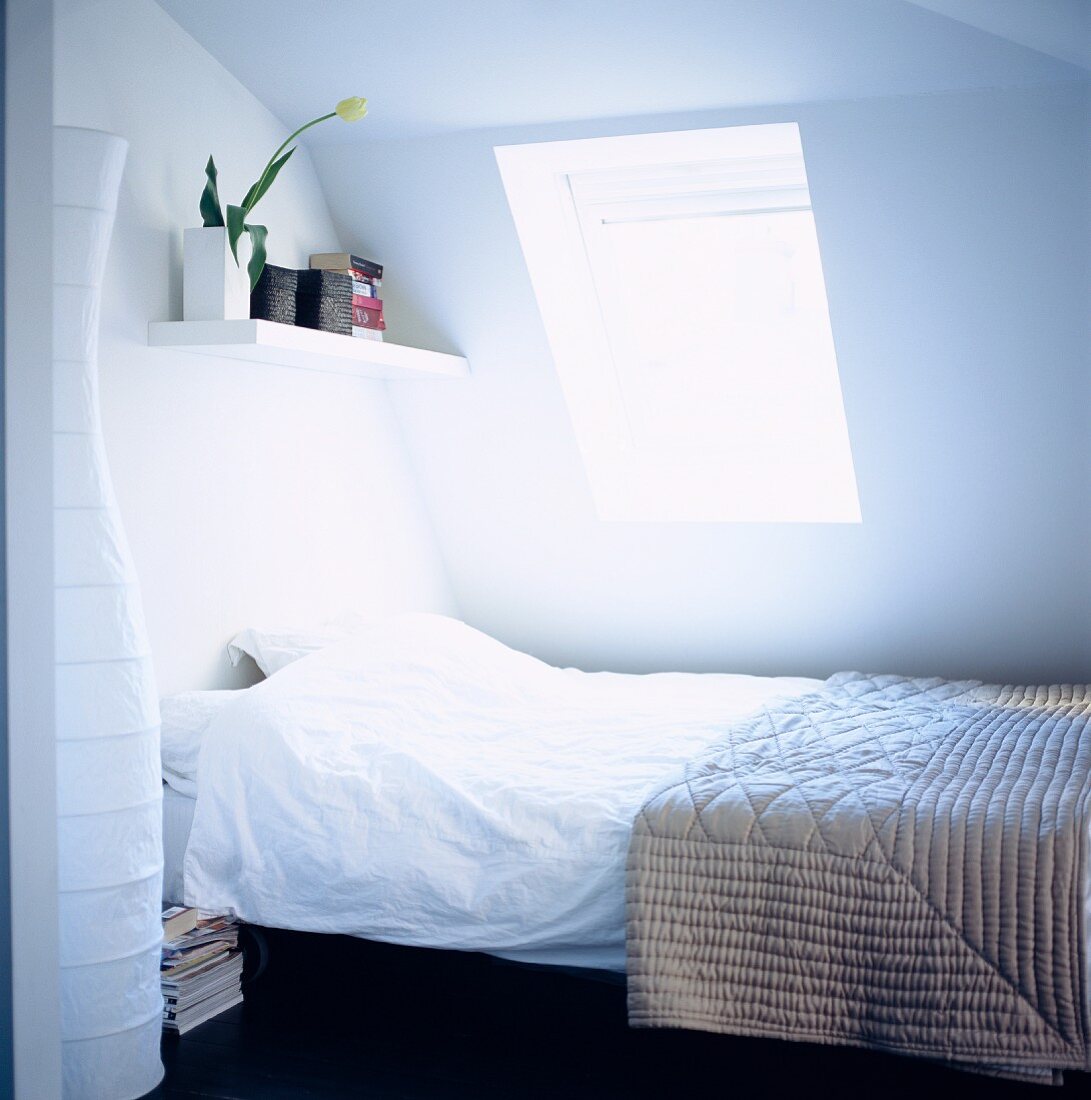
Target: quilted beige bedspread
[(890, 863)]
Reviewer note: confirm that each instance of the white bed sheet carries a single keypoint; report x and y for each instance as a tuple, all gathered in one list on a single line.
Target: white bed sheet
[(178, 811), (423, 784)]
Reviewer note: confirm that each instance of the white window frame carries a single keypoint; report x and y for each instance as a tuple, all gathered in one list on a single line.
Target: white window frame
[(560, 193)]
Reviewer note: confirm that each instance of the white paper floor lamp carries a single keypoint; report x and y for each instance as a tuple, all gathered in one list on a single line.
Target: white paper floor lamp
[(108, 773)]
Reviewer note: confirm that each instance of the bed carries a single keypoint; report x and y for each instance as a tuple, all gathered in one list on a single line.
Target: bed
[(414, 781)]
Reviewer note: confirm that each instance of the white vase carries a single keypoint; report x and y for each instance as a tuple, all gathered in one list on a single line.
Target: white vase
[(109, 787), (214, 287)]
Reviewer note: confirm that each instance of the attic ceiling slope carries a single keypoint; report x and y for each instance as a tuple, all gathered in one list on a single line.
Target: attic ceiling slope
[(429, 68), (1060, 28)]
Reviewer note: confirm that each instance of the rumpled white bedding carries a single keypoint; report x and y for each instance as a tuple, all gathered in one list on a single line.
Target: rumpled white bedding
[(177, 822), (421, 783), (184, 720)]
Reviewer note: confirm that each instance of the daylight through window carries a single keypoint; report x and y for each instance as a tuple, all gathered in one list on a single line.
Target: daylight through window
[(681, 284)]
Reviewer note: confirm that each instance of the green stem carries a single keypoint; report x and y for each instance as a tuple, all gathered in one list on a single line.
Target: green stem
[(305, 126), (285, 144)]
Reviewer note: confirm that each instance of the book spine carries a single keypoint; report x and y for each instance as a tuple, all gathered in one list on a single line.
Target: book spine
[(368, 313), (366, 333), (368, 267), (356, 275), (344, 261), (363, 277), (363, 290)]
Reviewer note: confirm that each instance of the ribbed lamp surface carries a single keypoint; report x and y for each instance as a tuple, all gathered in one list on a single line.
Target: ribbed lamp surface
[(109, 790)]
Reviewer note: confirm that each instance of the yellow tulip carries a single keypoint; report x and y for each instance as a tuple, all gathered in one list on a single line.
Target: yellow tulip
[(352, 109)]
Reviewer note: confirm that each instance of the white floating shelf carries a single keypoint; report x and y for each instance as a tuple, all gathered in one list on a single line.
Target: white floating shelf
[(305, 349)]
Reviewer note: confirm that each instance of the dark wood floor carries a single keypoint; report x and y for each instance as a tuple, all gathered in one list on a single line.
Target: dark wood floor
[(336, 1017)]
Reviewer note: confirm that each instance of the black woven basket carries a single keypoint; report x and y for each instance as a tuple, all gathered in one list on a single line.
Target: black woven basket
[(329, 315), (324, 301), (274, 298), (325, 284)]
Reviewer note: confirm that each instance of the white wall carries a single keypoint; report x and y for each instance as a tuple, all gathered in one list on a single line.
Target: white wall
[(954, 231), (251, 494), (31, 772)]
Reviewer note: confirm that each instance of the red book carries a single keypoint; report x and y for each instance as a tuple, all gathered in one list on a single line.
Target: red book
[(367, 312)]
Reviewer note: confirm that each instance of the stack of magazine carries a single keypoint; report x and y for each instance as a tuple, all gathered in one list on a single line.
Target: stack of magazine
[(201, 971)]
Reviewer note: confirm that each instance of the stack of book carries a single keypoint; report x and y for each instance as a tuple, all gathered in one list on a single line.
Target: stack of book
[(201, 970), (366, 277)]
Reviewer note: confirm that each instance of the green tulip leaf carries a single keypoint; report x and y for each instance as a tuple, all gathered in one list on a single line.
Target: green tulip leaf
[(210, 198), (236, 227), (258, 233), (254, 195)]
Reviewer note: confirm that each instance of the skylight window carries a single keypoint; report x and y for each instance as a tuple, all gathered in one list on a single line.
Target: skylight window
[(680, 282)]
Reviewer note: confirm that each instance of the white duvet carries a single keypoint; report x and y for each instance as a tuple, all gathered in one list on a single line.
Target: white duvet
[(423, 784)]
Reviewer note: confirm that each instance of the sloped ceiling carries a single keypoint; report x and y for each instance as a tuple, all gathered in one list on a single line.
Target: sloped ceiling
[(429, 66), (1060, 28)]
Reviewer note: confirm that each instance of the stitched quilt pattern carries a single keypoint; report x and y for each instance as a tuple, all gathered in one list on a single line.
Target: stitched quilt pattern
[(889, 862)]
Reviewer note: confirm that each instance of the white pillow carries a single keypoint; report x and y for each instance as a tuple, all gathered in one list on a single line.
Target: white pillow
[(185, 718), (273, 649)]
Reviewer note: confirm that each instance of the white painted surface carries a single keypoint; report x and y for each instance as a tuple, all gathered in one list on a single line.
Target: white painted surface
[(504, 63), (1061, 28), (954, 232), (28, 472), (250, 495), (214, 286), (109, 817), (306, 349)]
